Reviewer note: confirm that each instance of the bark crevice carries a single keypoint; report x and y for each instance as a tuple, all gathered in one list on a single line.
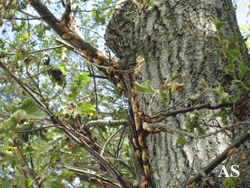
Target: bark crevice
[(171, 39)]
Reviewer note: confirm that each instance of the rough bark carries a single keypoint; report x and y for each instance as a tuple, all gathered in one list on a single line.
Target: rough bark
[(170, 37)]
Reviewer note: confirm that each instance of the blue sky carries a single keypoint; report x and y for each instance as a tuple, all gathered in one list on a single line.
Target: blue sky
[(242, 11)]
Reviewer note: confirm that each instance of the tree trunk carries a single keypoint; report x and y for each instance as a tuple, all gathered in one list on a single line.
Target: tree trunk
[(171, 39)]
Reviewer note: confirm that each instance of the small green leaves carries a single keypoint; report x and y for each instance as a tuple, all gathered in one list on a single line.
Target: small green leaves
[(28, 110), (219, 24), (81, 79), (99, 17), (193, 121), (166, 90), (62, 68), (150, 3), (202, 84), (55, 184), (147, 89), (32, 110), (175, 77), (28, 183), (229, 49), (235, 38), (20, 27), (220, 91), (181, 140), (85, 108), (231, 182), (164, 95), (243, 69), (65, 175)]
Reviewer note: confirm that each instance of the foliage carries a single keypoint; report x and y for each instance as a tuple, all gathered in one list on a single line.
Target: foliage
[(148, 89), (166, 89), (231, 182), (25, 129)]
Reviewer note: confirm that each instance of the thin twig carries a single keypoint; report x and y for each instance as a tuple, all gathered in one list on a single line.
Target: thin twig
[(179, 132), (10, 79), (17, 145), (37, 129), (120, 141), (110, 139), (226, 154), (192, 108), (45, 49), (90, 30), (99, 123), (99, 9)]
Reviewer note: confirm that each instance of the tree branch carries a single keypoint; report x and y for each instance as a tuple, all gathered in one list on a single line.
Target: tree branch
[(21, 153), (97, 76), (110, 139), (99, 123), (192, 108), (179, 132), (69, 35), (227, 153), (45, 49), (93, 179), (33, 130), (29, 14)]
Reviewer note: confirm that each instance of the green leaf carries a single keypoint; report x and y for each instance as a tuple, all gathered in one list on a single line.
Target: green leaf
[(48, 138), (86, 108), (75, 91), (65, 175), (10, 108), (147, 89), (19, 28), (26, 35), (12, 121), (181, 140), (150, 3), (56, 184), (220, 91), (203, 84), (164, 95), (230, 70), (33, 148), (28, 183), (235, 38), (8, 148), (102, 20), (247, 83), (233, 52), (200, 130), (32, 110), (62, 68), (13, 163), (214, 50), (28, 110), (221, 36), (231, 182), (174, 77), (243, 69), (219, 24)]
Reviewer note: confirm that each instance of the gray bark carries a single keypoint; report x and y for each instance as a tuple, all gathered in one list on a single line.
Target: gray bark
[(170, 37)]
